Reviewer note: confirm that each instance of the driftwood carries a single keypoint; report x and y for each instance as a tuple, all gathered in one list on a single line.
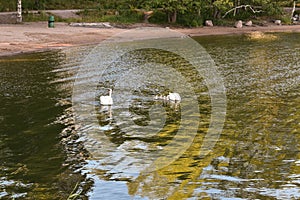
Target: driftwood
[(147, 14), (294, 8), (241, 6)]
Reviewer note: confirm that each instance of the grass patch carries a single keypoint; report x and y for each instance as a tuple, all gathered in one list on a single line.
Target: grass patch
[(286, 19), (224, 22), (114, 16), (35, 17)]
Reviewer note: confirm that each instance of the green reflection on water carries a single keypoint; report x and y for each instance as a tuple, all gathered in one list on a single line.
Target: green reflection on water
[(30, 152), (257, 155)]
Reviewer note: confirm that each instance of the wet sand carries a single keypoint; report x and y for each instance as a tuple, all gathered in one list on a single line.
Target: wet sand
[(36, 36)]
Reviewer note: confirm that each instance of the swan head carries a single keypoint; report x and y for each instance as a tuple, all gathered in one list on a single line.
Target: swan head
[(110, 91)]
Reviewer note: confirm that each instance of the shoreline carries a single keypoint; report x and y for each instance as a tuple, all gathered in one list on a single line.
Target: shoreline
[(36, 36)]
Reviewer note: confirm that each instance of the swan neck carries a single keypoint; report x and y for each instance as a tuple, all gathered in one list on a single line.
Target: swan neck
[(110, 92)]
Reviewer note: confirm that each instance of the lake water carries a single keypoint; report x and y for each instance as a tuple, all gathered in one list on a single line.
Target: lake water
[(142, 148)]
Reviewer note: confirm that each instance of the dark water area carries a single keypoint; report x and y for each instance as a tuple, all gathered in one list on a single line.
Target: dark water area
[(256, 156), (33, 161)]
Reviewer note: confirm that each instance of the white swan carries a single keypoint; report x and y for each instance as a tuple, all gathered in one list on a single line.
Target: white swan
[(106, 100), (174, 97)]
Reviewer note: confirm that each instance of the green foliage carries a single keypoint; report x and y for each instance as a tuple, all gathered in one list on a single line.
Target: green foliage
[(286, 19), (184, 12), (10, 5), (223, 5), (115, 16), (224, 22), (190, 20), (158, 17), (6, 6), (272, 8), (32, 17), (124, 17)]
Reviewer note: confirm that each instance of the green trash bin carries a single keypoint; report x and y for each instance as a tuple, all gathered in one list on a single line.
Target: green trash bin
[(51, 22)]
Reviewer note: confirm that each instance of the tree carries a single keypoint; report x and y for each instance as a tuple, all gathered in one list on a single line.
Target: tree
[(173, 7), (234, 10), (168, 6), (19, 11), (220, 6)]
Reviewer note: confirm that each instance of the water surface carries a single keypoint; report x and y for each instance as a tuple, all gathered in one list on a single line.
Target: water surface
[(256, 156), (33, 160)]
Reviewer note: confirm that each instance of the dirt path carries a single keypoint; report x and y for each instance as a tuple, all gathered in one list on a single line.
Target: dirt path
[(19, 38), (27, 37)]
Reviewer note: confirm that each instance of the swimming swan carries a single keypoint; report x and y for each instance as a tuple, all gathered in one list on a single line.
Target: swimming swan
[(173, 97), (106, 100)]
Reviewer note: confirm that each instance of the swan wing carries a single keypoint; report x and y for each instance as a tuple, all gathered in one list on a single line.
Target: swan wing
[(177, 97), (174, 97)]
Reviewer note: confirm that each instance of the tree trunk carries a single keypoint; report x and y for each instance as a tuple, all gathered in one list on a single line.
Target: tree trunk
[(37, 4), (19, 11), (172, 17), (237, 4), (216, 13)]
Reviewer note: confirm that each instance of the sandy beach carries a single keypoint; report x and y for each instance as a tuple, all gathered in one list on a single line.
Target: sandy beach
[(36, 36)]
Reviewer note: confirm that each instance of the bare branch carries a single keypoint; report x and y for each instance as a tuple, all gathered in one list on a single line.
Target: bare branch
[(241, 6), (294, 8)]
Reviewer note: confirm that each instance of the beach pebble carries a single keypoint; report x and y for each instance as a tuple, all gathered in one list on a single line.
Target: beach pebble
[(277, 22), (238, 24), (209, 23), (249, 23)]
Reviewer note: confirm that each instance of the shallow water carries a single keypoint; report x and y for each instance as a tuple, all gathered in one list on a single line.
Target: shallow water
[(30, 155), (33, 160), (255, 157)]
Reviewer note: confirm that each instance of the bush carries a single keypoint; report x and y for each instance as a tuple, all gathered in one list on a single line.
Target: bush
[(224, 22), (286, 19), (158, 17), (32, 17), (124, 16), (272, 9), (190, 20), (115, 16)]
